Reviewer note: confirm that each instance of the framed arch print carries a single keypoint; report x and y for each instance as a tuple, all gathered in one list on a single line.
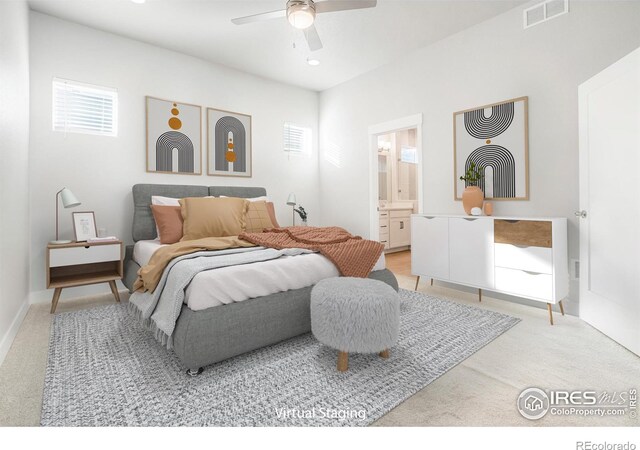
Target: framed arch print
[(228, 143), (494, 138), (174, 137)]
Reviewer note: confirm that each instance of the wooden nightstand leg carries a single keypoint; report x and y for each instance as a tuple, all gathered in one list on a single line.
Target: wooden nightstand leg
[(561, 307), (384, 353), (417, 281), (480, 295), (114, 289), (432, 282), (550, 313), (54, 300)]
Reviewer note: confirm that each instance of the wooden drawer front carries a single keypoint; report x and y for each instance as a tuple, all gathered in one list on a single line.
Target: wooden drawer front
[(532, 259), (83, 255), (402, 213), (528, 233), (525, 284)]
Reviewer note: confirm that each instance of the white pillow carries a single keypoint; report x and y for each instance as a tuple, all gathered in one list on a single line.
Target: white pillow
[(264, 198), (164, 201)]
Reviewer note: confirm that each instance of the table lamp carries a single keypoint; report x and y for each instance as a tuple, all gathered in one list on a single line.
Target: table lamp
[(68, 201), (291, 201)]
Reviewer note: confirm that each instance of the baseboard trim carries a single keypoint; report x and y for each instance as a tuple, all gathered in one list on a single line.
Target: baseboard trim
[(11, 333)]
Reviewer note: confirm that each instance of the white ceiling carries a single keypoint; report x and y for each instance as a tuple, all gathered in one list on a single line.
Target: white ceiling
[(355, 41)]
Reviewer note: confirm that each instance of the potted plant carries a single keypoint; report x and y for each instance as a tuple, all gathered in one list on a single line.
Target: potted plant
[(472, 197), (303, 215)]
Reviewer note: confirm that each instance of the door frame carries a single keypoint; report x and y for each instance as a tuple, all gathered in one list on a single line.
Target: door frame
[(392, 126)]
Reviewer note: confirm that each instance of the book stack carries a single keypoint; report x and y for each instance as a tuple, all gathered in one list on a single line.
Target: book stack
[(102, 239)]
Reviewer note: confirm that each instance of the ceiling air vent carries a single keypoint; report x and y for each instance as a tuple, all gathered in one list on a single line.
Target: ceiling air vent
[(545, 11)]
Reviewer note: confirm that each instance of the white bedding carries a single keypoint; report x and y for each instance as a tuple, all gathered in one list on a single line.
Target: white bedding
[(238, 283)]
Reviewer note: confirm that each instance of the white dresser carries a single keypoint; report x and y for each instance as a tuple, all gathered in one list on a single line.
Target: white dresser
[(525, 257)]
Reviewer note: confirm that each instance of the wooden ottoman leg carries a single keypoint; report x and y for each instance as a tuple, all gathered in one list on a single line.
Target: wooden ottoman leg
[(384, 353), (343, 361)]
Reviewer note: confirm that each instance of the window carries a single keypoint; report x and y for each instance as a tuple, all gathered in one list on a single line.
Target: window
[(84, 108), (408, 155), (297, 139)]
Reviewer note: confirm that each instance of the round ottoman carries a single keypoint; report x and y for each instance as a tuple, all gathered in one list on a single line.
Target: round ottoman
[(358, 315)]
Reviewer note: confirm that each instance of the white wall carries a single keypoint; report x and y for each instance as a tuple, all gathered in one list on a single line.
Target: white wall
[(14, 169), (101, 170), (492, 61)]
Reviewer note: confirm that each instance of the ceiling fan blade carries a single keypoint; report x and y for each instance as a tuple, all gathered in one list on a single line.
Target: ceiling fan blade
[(260, 17), (342, 5), (313, 38)]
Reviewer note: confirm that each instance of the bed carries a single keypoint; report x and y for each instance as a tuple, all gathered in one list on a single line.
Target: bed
[(212, 325)]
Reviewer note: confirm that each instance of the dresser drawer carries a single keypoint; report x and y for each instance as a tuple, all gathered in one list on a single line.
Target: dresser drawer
[(384, 214), (71, 256), (532, 259), (401, 213), (526, 284), (530, 233)]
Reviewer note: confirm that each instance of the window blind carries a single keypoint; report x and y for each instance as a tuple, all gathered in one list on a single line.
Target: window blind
[(297, 139), (84, 108)]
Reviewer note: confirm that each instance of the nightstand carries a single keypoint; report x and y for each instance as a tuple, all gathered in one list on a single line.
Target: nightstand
[(82, 263)]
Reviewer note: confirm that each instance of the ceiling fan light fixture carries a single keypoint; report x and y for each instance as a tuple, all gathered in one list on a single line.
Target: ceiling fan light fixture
[(301, 14)]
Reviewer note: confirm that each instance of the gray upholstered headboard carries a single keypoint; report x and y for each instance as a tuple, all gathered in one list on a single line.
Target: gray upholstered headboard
[(144, 226)]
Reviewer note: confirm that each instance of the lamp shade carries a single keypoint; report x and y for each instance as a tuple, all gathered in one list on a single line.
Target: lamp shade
[(291, 201), (68, 199)]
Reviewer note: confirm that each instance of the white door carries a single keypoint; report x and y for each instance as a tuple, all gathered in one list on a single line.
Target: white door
[(609, 183), (471, 256), (430, 247)]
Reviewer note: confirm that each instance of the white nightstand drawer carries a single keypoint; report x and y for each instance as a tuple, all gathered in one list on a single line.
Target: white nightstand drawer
[(526, 284), (532, 259), (71, 256)]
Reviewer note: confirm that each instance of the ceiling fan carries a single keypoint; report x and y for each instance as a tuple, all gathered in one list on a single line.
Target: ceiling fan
[(302, 13)]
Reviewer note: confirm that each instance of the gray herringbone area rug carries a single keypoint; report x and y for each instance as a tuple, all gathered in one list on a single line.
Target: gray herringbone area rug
[(104, 369)]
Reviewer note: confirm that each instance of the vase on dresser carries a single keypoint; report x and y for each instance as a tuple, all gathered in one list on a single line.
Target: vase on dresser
[(472, 197)]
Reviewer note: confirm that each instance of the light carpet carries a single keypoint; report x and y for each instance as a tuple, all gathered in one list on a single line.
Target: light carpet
[(104, 369)]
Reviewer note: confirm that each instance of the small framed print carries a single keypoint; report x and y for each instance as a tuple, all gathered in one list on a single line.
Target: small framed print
[(84, 225)]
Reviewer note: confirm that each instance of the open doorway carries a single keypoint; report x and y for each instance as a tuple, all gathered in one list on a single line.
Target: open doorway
[(396, 187)]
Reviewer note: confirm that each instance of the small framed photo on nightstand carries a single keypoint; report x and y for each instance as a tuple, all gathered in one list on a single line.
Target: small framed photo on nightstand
[(84, 225)]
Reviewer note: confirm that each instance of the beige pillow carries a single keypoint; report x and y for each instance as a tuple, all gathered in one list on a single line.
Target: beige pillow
[(212, 217), (272, 214), (258, 217)]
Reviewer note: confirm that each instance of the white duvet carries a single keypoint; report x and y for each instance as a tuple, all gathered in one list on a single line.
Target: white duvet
[(242, 282)]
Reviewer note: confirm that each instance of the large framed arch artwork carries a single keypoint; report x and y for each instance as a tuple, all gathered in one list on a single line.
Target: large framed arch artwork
[(496, 138), (174, 137), (228, 143)]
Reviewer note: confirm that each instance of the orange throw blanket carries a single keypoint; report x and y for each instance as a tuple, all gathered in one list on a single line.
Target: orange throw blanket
[(352, 255)]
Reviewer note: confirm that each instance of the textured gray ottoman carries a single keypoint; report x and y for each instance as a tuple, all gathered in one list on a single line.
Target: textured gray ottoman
[(355, 315)]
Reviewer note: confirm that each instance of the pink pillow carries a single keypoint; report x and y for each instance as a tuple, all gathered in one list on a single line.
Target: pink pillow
[(169, 222)]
